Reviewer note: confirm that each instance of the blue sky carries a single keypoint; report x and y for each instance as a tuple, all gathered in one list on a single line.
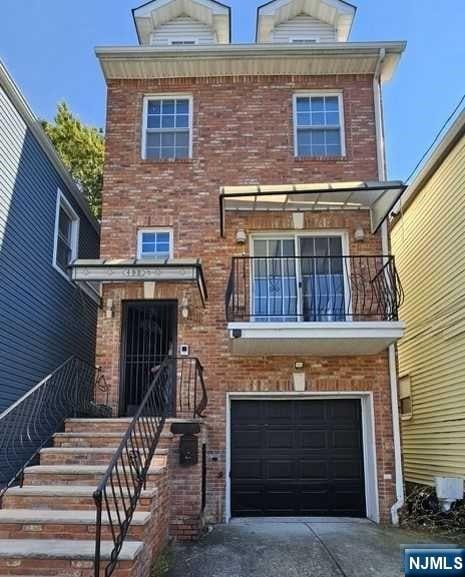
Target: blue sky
[(48, 47)]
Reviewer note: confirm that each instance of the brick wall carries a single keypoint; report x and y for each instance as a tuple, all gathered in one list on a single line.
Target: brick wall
[(242, 135)]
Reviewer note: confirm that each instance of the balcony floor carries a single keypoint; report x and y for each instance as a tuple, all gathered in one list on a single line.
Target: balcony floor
[(314, 339)]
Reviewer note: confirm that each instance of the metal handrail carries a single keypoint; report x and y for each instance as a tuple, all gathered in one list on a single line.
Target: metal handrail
[(118, 493), (29, 424), (313, 289)]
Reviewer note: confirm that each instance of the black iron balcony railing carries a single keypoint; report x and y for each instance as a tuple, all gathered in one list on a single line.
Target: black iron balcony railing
[(313, 289)]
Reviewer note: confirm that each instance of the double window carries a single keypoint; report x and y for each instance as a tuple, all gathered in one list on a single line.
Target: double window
[(301, 278), (155, 244), (318, 125), (167, 130), (66, 236)]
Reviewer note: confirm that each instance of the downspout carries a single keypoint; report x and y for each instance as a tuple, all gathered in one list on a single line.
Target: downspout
[(400, 495)]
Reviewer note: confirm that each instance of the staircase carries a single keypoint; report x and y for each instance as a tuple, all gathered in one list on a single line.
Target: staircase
[(47, 526)]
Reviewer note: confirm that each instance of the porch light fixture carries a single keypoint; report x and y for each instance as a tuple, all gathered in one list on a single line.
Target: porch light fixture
[(109, 309), (185, 307), (241, 236), (298, 220), (359, 234)]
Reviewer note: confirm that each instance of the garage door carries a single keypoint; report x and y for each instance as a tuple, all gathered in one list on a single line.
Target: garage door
[(297, 458)]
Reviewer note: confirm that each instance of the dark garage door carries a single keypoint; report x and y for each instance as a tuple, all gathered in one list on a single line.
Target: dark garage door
[(297, 458)]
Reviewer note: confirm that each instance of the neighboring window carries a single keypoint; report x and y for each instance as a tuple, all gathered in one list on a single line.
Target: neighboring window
[(66, 236), (405, 396), (167, 128), (303, 40), (156, 244), (318, 125)]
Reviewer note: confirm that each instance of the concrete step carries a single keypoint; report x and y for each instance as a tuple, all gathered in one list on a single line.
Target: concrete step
[(113, 424), (77, 475), (101, 440), (89, 456), (65, 497), (64, 558), (48, 524)]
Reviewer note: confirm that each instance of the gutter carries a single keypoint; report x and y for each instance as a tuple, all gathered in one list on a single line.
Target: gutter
[(381, 153)]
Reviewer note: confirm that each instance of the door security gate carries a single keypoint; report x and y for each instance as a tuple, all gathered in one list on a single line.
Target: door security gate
[(148, 337)]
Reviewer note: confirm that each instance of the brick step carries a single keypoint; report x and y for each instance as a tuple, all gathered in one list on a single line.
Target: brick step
[(102, 440), (47, 524), (66, 497), (77, 475), (89, 456), (65, 558), (97, 425)]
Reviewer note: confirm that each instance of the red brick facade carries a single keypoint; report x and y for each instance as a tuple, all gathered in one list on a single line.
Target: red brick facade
[(242, 134)]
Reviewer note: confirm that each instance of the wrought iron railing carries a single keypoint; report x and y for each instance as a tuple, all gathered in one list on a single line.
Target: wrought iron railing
[(118, 493), (29, 424), (313, 289)]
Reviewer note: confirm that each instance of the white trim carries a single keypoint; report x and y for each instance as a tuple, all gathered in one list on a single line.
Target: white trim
[(62, 202), (141, 231), (164, 96), (313, 93), (368, 435)]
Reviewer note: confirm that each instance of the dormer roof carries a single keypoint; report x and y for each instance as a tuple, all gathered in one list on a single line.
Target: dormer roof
[(335, 15), (152, 16)]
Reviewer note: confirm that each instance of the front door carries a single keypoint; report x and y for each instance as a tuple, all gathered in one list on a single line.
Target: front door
[(148, 338)]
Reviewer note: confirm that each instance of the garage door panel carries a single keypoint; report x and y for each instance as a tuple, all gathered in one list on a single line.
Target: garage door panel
[(297, 457)]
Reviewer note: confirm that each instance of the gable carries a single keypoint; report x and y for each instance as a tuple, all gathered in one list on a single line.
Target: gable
[(304, 27), (183, 29)]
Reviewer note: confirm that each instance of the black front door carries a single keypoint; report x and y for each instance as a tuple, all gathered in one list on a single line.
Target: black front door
[(148, 337), (297, 458)]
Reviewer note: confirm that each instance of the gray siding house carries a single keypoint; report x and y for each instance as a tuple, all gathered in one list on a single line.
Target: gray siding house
[(45, 223)]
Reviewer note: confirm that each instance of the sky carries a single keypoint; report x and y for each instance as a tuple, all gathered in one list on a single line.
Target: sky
[(48, 46)]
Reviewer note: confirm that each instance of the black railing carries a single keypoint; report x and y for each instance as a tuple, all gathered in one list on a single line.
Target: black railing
[(118, 493), (29, 424), (313, 289)]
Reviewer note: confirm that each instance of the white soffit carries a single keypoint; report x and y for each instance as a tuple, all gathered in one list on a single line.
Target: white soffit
[(147, 62), (337, 13), (158, 12)]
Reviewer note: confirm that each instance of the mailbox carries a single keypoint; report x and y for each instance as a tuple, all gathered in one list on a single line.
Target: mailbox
[(188, 450)]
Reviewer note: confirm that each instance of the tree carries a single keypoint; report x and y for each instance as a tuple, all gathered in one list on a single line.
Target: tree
[(82, 149)]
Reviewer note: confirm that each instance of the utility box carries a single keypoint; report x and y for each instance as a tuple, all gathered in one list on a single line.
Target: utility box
[(449, 490), (188, 450)]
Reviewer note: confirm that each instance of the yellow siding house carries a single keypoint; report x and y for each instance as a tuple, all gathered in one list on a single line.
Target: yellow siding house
[(428, 240)]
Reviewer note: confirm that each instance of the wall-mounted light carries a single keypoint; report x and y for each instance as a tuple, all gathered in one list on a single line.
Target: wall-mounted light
[(241, 236), (185, 307), (298, 377), (109, 309), (298, 220), (359, 234)]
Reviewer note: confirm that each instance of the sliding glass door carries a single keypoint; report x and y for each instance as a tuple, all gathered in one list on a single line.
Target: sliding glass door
[(298, 278)]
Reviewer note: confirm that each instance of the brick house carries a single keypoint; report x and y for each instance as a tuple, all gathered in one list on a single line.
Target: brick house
[(243, 248), (245, 184)]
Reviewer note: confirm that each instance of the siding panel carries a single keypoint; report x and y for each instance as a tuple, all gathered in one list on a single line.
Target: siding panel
[(44, 318), (304, 27), (183, 28), (430, 255)]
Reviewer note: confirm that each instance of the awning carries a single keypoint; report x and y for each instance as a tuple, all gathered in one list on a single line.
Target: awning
[(377, 197), (124, 271)]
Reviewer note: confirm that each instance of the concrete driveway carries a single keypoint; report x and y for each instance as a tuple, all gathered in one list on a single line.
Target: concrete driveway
[(295, 548)]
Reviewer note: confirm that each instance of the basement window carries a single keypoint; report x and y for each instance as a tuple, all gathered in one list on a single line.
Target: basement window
[(167, 130), (405, 397)]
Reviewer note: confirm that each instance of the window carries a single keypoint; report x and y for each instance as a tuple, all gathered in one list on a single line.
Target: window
[(155, 244), (66, 236), (167, 127), (318, 125), (185, 42), (303, 40), (405, 397)]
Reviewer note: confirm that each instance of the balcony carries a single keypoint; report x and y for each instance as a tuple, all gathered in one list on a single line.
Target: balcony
[(320, 305)]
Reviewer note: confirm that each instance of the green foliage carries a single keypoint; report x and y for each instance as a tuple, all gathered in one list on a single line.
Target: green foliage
[(82, 149)]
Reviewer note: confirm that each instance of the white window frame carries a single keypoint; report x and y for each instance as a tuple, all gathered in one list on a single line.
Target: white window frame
[(405, 382), (145, 107), (188, 41), (296, 236), (142, 231), (62, 202), (310, 94), (303, 40)]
